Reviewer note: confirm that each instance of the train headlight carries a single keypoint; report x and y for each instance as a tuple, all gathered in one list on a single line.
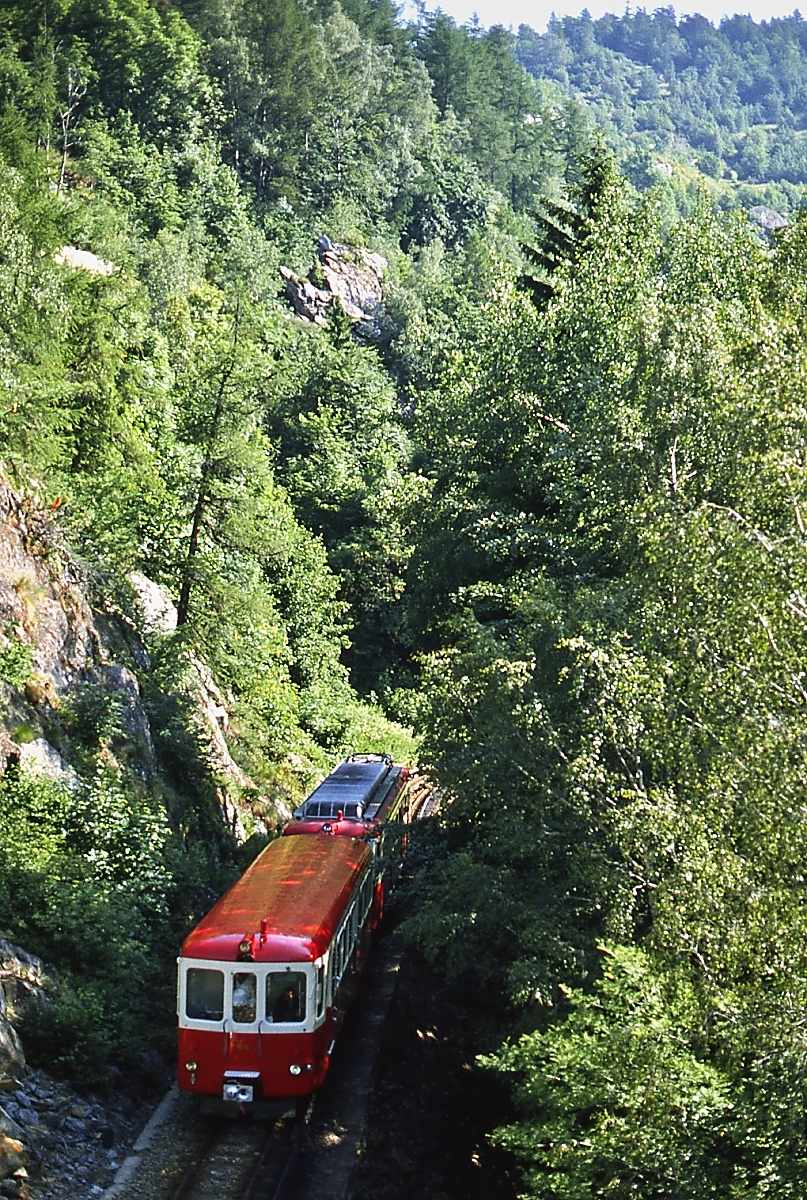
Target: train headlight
[(191, 1066), (295, 1069)]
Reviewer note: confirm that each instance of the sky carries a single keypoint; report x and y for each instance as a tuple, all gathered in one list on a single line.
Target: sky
[(537, 12)]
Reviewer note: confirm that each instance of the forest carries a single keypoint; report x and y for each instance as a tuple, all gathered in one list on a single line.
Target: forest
[(539, 525), (688, 99)]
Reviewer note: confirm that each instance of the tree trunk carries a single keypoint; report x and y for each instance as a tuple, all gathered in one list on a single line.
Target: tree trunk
[(202, 498)]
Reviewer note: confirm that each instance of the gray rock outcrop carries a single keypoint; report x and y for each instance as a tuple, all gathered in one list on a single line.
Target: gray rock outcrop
[(349, 275), (12, 1058), (22, 978), (46, 619), (158, 612), (83, 260), (768, 218)]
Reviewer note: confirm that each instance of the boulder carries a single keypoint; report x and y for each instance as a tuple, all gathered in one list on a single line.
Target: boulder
[(12, 1156), (350, 275), (22, 977), (9, 1127), (768, 218), (157, 610), (354, 275), (83, 260), (12, 1058), (39, 757)]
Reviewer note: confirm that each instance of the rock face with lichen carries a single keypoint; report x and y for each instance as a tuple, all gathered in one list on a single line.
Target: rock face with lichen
[(53, 644), (348, 275)]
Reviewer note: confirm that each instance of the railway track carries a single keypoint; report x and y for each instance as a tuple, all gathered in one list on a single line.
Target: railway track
[(241, 1161), (185, 1156)]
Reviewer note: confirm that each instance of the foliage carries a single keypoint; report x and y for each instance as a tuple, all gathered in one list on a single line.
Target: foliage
[(612, 1101), (613, 690), (549, 505), (16, 659), (94, 880), (91, 716), (728, 99)]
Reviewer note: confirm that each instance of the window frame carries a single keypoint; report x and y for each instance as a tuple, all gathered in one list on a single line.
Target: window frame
[(262, 1023), (349, 931)]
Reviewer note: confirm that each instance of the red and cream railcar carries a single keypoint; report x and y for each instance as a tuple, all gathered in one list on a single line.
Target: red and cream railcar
[(266, 977)]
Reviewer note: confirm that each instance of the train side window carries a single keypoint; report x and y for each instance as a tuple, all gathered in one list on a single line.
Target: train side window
[(245, 997), (320, 997), (285, 996), (204, 995)]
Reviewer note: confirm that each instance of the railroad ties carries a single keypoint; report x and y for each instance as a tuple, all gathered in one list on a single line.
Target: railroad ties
[(191, 1157), (241, 1161)]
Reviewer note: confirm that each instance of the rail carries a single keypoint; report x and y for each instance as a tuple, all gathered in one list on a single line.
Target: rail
[(241, 1161)]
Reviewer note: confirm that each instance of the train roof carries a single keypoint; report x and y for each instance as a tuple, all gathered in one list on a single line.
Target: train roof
[(356, 788), (289, 902)]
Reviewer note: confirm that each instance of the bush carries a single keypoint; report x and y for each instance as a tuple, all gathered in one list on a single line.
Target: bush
[(613, 1100), (16, 660), (94, 880), (73, 1035), (92, 716)]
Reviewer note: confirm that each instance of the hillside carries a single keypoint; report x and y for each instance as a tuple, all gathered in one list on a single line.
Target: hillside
[(676, 93)]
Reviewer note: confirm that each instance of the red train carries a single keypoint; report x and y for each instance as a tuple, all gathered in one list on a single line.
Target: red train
[(266, 977)]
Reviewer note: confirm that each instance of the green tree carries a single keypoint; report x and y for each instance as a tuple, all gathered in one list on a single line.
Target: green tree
[(267, 63), (612, 1102), (614, 690)]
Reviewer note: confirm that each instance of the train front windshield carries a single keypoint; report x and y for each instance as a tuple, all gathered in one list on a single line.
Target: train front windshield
[(247, 997), (204, 996)]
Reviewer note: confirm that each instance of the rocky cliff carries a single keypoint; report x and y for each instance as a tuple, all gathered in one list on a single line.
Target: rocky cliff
[(54, 644)]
